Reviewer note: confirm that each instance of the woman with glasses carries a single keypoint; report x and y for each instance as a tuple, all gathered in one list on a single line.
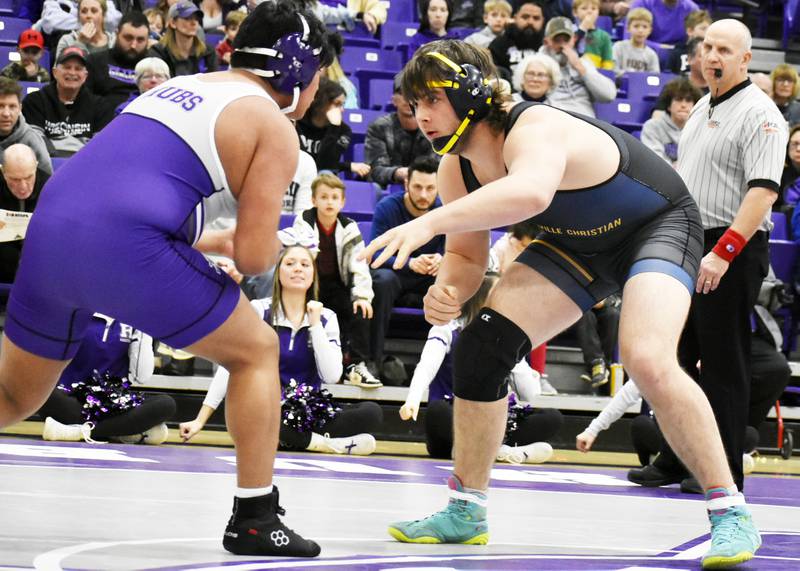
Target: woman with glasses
[(785, 89), (535, 78), (149, 72)]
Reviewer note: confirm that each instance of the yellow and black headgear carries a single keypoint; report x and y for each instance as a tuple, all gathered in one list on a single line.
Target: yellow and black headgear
[(470, 94)]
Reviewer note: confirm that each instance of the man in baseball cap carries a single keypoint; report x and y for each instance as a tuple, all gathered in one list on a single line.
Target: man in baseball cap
[(581, 85), (65, 110), (30, 47)]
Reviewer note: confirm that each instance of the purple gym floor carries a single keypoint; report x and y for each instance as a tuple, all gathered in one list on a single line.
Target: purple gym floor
[(100, 506)]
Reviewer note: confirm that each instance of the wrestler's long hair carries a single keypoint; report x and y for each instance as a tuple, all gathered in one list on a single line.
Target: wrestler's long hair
[(422, 70), (471, 307)]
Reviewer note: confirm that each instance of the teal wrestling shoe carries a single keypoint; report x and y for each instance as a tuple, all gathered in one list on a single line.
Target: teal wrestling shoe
[(462, 521), (734, 537)]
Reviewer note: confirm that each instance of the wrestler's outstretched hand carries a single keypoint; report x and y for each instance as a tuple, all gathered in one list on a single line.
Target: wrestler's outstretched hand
[(401, 241)]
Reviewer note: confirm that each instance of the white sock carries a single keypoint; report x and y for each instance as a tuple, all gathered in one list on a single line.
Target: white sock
[(252, 492)]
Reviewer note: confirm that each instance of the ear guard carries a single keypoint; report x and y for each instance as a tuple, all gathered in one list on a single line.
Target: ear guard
[(291, 64), (469, 93)]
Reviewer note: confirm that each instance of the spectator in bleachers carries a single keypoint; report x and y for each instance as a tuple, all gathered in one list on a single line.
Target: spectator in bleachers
[(634, 54), (434, 23), (20, 186), (155, 21), (418, 275), (334, 72), (180, 46), (225, 47), (790, 178), (661, 134), (696, 24), (345, 13), (112, 73), (466, 14), (763, 81), (522, 37), (529, 428), (92, 35), (30, 47), (496, 14), (310, 355), (149, 72), (555, 8), (581, 84), (65, 111), (614, 9), (93, 398), (394, 141), (785, 89), (591, 42), (345, 283), (668, 18), (62, 16), (15, 129), (596, 331), (30, 10), (694, 73), (323, 133), (535, 78), (213, 18)]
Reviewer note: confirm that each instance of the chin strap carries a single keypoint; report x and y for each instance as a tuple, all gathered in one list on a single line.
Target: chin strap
[(443, 145), (267, 74)]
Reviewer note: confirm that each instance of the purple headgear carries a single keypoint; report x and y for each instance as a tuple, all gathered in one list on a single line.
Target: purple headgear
[(291, 65)]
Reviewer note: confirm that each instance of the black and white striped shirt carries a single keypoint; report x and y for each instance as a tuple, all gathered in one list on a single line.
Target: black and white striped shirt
[(727, 148)]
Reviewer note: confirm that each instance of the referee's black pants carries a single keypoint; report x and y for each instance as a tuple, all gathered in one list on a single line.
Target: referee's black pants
[(717, 333)]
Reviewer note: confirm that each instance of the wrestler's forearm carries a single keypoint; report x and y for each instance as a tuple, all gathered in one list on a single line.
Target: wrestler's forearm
[(506, 201), (461, 272)]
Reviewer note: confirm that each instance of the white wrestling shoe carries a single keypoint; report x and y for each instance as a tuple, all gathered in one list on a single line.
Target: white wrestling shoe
[(54, 430), (535, 453)]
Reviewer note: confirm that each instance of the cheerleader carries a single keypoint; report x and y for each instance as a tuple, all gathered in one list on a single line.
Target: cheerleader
[(527, 428), (310, 355)]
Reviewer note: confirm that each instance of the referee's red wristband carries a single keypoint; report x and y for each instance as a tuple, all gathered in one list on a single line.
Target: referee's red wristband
[(729, 245)]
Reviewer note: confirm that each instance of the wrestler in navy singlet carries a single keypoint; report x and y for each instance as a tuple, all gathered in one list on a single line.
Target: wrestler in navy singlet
[(114, 228), (593, 239)]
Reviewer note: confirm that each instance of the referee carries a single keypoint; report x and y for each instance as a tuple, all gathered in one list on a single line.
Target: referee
[(730, 155)]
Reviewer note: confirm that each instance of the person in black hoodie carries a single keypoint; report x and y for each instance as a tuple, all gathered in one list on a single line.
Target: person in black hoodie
[(523, 37), (20, 185), (111, 72), (323, 133), (65, 111)]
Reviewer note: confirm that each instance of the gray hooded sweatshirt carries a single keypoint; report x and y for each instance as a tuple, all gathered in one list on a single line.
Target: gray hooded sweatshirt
[(24, 133), (661, 135)]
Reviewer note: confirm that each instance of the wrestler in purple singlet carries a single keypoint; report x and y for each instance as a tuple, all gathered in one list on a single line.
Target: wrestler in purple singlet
[(113, 234)]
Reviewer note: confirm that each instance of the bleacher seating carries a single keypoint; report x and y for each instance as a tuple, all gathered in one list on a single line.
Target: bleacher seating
[(402, 11), (626, 114), (380, 94), (645, 85), (10, 29), (29, 87), (360, 37), (780, 229), (360, 200), (396, 35), (359, 120), (6, 8), (369, 63)]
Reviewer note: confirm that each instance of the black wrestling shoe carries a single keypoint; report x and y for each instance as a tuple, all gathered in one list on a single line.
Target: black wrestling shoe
[(652, 477), (255, 529)]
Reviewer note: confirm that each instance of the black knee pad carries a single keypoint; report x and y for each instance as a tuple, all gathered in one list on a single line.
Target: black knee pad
[(484, 355)]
